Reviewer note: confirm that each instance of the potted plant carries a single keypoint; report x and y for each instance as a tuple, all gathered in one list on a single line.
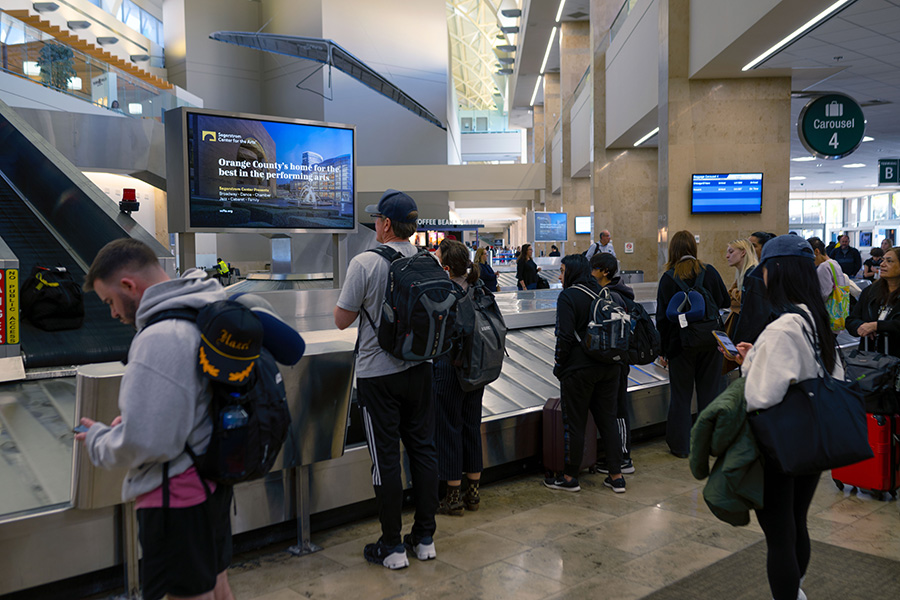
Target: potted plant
[(57, 65)]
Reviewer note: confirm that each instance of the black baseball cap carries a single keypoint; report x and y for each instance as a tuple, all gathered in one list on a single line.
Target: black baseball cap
[(396, 206), (231, 349)]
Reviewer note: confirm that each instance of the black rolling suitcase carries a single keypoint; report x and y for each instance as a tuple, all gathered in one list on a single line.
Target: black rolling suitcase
[(554, 442)]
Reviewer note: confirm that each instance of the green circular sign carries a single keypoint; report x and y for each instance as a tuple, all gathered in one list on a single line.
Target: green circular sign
[(831, 126)]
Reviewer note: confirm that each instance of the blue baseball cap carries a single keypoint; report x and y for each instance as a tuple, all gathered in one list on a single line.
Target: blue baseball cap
[(786, 245), (396, 206)]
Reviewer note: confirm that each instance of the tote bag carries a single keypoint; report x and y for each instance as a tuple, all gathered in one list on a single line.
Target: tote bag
[(838, 303), (819, 425)]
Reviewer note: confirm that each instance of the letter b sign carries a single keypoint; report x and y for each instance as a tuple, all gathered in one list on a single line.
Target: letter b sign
[(889, 171)]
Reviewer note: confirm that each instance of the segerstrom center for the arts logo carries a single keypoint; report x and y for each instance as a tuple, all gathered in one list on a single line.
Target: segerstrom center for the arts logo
[(218, 136)]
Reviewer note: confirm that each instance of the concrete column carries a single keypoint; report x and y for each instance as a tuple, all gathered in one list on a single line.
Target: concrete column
[(717, 126), (575, 59), (537, 150), (623, 182), (552, 112)]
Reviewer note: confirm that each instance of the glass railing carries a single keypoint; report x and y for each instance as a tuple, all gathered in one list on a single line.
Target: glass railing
[(483, 121), (620, 18), (32, 54)]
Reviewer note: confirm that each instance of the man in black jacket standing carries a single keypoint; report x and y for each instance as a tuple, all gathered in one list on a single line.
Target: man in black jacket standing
[(847, 256)]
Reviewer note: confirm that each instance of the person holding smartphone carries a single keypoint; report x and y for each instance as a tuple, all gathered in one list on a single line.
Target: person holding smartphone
[(784, 353)]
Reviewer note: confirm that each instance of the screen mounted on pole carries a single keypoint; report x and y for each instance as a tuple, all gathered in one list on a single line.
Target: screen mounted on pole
[(231, 172)]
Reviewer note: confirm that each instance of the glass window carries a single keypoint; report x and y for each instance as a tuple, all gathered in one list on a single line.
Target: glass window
[(795, 211), (852, 210), (813, 211), (864, 209), (814, 232), (834, 212), (895, 206), (879, 207)]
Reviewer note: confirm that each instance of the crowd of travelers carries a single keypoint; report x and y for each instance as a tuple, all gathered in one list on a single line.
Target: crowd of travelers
[(779, 313)]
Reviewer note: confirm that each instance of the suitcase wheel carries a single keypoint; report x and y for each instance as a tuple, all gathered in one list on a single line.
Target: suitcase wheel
[(839, 485), (877, 495)]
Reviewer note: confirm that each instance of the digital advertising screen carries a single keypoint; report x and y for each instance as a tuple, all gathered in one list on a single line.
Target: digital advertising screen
[(726, 193), (550, 227), (253, 173), (583, 224)]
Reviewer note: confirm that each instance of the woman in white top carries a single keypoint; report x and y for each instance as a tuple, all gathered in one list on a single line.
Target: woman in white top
[(827, 269), (782, 355)]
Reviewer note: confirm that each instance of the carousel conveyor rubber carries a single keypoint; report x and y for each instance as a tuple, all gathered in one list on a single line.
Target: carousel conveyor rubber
[(100, 338)]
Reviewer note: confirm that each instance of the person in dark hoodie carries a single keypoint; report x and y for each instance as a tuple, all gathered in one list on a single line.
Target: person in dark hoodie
[(605, 268), (756, 310), (585, 384)]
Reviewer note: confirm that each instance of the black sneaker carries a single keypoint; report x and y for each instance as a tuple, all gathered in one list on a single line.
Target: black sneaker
[(627, 466), (617, 485), (560, 483), (381, 554), (423, 548)]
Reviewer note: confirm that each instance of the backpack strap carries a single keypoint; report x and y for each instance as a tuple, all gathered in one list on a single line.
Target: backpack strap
[(386, 252), (186, 314)]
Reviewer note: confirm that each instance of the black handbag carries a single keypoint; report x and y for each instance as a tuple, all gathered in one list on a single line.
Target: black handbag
[(878, 376), (819, 425)]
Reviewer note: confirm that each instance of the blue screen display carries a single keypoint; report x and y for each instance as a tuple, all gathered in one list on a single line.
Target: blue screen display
[(550, 227), (727, 193)]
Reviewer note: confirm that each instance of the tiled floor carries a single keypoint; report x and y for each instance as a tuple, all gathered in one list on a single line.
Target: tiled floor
[(531, 542)]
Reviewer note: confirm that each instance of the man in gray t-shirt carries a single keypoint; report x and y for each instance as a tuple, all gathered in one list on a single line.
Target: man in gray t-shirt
[(394, 395)]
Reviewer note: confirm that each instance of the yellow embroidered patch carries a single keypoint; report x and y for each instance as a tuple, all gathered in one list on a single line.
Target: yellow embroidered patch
[(241, 375), (206, 366)]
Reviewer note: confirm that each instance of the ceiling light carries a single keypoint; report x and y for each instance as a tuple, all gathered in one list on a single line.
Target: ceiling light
[(797, 33), (549, 47), (803, 158), (798, 178), (854, 166), (537, 84), (837, 181), (867, 138), (646, 137), (562, 4)]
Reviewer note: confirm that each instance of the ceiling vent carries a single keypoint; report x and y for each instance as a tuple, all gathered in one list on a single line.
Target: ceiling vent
[(577, 16), (43, 7), (107, 41), (73, 25)]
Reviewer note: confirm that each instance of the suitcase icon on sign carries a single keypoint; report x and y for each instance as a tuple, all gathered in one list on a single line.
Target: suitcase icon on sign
[(834, 109)]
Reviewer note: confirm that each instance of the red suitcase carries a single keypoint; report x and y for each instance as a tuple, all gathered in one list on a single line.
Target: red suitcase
[(554, 442), (878, 474)]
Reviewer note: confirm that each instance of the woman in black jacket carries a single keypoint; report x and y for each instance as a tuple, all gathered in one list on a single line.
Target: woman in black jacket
[(877, 314), (585, 384), (485, 272), (526, 269), (699, 366)]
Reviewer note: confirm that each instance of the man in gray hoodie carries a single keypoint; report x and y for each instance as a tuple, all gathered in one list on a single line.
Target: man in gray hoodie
[(164, 402)]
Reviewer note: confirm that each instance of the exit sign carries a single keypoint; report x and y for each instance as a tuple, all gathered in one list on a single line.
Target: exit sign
[(888, 169)]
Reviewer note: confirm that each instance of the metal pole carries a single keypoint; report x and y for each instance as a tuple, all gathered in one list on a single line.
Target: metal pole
[(340, 260), (130, 547), (304, 545)]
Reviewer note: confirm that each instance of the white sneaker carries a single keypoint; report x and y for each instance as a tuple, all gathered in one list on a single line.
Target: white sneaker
[(423, 548)]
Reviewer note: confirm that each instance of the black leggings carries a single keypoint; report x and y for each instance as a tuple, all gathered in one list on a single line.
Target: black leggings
[(786, 501)]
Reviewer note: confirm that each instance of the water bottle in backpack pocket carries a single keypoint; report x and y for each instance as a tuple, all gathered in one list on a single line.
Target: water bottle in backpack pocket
[(608, 333), (232, 441)]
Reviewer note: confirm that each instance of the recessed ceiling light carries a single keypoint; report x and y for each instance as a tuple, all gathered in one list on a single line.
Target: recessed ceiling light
[(537, 84), (646, 137), (549, 48), (867, 138), (797, 33), (803, 158), (837, 181), (798, 178), (854, 166), (562, 5)]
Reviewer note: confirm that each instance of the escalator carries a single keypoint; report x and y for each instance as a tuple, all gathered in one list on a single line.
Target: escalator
[(100, 338)]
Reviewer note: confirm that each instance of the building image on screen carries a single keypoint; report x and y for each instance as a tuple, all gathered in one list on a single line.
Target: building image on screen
[(259, 174), (726, 193)]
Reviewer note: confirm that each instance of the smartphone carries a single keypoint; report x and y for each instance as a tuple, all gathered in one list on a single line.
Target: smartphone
[(731, 351), (80, 429)]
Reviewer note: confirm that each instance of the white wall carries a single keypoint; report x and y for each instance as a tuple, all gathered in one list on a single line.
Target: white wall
[(632, 74), (499, 145), (716, 24)]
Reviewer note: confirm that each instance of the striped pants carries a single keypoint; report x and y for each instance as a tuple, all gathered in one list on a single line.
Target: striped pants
[(457, 428), (399, 407)]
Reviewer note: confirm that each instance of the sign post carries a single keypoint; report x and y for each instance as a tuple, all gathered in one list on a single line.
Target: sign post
[(831, 126)]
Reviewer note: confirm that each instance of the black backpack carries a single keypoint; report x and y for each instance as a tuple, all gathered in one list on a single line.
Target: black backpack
[(608, 333), (51, 300), (247, 452), (644, 345), (878, 377), (418, 315), (481, 339), (695, 313)]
